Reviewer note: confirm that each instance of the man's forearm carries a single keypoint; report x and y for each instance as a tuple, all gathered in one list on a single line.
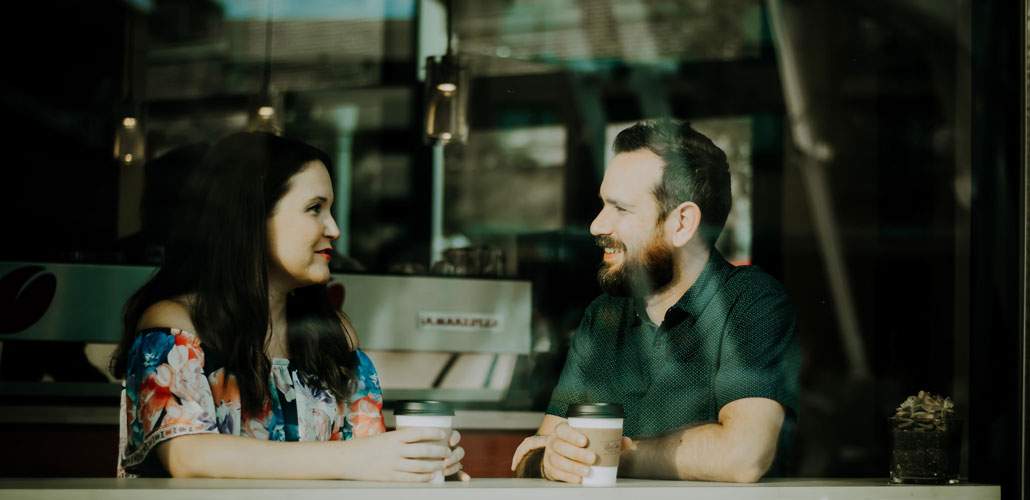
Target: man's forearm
[(703, 453)]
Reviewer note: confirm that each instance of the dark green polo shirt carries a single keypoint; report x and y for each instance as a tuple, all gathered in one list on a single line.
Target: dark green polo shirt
[(731, 336)]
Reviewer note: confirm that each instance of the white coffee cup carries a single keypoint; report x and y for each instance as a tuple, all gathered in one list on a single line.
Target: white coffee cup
[(602, 425), (426, 414)]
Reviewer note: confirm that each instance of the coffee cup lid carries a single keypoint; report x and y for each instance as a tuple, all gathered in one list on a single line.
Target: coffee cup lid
[(424, 408), (595, 410)]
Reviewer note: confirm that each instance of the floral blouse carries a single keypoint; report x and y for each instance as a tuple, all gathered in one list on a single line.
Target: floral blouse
[(173, 389)]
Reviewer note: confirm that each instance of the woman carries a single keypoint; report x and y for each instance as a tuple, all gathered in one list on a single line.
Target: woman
[(235, 363)]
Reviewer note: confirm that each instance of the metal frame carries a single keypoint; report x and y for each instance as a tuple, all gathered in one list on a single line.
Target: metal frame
[(1024, 438)]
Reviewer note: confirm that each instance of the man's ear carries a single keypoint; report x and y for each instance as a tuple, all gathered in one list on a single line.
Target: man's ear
[(685, 220)]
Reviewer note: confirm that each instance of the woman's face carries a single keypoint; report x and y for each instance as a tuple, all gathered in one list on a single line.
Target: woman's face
[(301, 229)]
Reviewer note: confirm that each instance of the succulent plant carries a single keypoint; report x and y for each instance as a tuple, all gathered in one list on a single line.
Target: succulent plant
[(924, 412)]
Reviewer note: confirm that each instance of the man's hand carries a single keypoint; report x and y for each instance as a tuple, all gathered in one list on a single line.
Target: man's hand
[(565, 455)]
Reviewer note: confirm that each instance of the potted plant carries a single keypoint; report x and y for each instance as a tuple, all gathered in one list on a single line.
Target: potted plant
[(927, 440)]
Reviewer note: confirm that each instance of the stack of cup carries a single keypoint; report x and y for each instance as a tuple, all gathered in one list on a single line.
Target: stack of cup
[(425, 414), (602, 425)]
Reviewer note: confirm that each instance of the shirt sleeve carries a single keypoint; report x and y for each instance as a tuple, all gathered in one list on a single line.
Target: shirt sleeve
[(365, 407), (760, 354), (166, 395)]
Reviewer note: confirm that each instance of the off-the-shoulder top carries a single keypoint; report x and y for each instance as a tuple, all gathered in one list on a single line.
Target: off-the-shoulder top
[(174, 388)]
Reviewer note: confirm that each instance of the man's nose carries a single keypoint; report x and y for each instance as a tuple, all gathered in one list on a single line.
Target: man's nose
[(600, 224)]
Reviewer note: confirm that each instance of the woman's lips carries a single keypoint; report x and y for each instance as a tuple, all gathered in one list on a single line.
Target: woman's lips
[(327, 253)]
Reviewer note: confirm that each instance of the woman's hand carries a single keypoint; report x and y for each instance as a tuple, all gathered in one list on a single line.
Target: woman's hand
[(413, 454), (452, 467)]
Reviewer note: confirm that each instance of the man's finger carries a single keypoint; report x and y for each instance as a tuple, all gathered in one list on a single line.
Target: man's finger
[(554, 473), (529, 444), (563, 464), (567, 433), (567, 450)]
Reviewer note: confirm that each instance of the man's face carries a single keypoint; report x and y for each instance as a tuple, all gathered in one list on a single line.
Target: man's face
[(638, 259)]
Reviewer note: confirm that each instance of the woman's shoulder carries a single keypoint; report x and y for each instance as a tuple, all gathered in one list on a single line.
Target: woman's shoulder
[(171, 314)]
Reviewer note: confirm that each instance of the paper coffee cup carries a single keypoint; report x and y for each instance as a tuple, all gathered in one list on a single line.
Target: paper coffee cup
[(602, 425), (425, 414)]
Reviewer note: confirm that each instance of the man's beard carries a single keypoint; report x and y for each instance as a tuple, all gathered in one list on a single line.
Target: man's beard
[(637, 278)]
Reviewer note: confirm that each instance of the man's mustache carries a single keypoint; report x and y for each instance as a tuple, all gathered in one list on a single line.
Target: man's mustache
[(608, 241)]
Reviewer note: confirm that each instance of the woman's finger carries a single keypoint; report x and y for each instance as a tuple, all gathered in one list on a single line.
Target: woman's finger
[(411, 477), (419, 466), (425, 450), (452, 470), (456, 455), (455, 438), (416, 434)]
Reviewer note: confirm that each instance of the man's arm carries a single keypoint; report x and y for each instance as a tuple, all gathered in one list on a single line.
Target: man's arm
[(740, 447)]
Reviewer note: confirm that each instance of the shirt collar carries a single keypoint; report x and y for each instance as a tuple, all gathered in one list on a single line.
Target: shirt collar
[(693, 302)]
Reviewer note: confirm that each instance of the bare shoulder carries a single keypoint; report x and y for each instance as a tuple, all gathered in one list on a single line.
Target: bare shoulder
[(172, 313), (348, 329)]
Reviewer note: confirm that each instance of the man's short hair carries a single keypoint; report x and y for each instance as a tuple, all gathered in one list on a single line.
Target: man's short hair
[(695, 170)]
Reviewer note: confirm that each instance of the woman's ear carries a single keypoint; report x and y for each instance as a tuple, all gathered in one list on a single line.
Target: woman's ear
[(686, 220)]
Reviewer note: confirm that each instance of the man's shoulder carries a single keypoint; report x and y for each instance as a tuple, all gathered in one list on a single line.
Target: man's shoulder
[(752, 280)]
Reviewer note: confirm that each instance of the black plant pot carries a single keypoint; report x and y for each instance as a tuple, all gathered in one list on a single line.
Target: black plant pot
[(926, 456)]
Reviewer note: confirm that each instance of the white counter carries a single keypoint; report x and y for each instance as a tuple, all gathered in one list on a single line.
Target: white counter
[(526, 421), (494, 489)]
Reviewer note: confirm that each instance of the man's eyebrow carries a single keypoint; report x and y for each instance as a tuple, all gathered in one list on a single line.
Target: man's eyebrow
[(613, 201)]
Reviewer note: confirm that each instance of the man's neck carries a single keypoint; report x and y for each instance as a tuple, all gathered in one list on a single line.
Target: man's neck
[(689, 268)]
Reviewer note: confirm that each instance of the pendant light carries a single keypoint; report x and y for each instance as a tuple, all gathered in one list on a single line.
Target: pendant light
[(129, 135), (263, 114), (447, 90)]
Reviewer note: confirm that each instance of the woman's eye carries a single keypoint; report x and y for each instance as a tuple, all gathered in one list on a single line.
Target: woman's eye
[(316, 209)]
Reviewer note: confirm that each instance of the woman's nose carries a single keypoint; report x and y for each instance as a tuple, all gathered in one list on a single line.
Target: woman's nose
[(332, 231)]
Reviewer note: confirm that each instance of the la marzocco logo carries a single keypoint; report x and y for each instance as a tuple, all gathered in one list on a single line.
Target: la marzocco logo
[(25, 296)]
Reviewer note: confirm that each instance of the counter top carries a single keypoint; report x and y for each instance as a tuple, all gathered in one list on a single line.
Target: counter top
[(526, 421), (495, 489)]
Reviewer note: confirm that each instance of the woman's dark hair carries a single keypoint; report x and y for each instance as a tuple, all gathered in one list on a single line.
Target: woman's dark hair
[(218, 256), (695, 170)]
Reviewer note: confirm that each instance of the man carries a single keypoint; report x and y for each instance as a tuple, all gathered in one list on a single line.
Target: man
[(702, 355)]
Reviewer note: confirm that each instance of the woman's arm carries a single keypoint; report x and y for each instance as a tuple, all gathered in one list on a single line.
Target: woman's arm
[(394, 456)]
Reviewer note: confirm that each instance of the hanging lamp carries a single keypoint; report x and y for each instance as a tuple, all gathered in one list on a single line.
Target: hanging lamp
[(447, 90), (263, 114), (129, 135)]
